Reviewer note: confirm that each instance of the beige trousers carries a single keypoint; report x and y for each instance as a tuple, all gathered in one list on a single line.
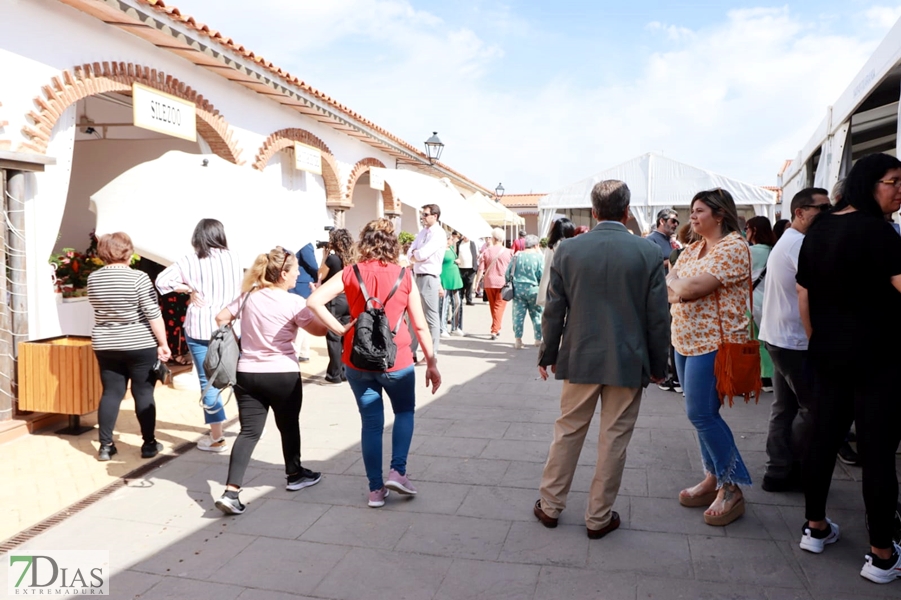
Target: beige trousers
[(619, 411)]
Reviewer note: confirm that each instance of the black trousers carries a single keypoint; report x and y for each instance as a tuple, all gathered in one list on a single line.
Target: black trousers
[(846, 389), (790, 418), (335, 343), (256, 393), (468, 276), (117, 368)]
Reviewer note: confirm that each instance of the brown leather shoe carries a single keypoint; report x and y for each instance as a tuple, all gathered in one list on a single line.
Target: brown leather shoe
[(596, 534), (547, 521)]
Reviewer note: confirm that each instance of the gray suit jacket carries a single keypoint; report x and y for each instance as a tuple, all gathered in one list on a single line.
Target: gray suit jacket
[(607, 300)]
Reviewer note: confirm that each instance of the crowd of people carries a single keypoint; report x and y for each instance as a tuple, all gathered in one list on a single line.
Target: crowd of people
[(611, 313)]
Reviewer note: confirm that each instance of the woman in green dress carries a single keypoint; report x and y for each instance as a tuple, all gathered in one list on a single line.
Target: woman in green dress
[(451, 286), (525, 272), (762, 239)]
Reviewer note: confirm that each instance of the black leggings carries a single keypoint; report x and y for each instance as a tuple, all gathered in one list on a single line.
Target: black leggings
[(256, 393), (847, 390), (117, 367), (335, 343)]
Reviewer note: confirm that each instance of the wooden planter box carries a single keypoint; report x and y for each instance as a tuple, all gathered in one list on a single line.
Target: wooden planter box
[(59, 375)]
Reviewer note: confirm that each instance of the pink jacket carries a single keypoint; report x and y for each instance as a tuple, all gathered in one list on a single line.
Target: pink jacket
[(494, 277)]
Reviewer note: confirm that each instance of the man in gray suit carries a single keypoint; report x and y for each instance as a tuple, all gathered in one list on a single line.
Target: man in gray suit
[(607, 300)]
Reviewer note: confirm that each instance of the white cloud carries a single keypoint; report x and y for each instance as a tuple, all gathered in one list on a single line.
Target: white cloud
[(883, 17), (738, 96)]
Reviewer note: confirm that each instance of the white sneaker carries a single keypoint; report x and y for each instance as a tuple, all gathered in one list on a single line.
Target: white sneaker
[(458, 333), (207, 444), (877, 575), (445, 334), (518, 343), (811, 540)]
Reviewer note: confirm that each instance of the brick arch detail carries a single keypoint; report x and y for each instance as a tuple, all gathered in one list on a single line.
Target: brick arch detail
[(363, 166), (96, 78), (285, 138)]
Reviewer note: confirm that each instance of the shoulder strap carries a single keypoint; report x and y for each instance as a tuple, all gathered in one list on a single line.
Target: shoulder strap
[(493, 262), (751, 287), (240, 308), (759, 279), (362, 285), (367, 297), (400, 278)]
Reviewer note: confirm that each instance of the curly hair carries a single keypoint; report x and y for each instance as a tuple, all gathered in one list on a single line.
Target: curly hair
[(341, 242), (378, 241)]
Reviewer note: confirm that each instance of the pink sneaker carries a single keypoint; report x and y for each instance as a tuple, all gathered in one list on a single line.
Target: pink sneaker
[(377, 498), (400, 484)]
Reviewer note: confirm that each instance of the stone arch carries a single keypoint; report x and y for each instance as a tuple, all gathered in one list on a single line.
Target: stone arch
[(285, 138), (97, 78), (363, 166)]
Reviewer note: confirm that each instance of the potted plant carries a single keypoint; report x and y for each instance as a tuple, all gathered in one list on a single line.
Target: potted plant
[(72, 268)]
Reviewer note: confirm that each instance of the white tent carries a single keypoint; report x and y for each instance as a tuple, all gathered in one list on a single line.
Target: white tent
[(158, 203), (415, 190), (495, 213), (656, 182)]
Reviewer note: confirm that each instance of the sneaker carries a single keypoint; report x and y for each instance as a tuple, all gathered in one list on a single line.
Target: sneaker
[(445, 334), (106, 452), (330, 382), (517, 343), (677, 387), (666, 386), (151, 449), (458, 333), (207, 444), (303, 359), (377, 498), (305, 478), (766, 385), (816, 540), (230, 506), (400, 484), (847, 455), (493, 336), (882, 570)]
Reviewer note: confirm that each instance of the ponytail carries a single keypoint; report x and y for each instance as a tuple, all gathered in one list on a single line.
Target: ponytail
[(267, 269)]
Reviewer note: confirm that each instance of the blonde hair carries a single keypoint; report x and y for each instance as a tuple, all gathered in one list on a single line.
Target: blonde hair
[(378, 242), (267, 269)]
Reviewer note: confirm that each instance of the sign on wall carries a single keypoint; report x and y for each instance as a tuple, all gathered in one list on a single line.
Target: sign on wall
[(163, 113), (376, 180), (307, 158)]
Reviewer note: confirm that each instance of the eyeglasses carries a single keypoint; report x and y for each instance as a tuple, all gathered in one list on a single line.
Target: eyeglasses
[(819, 207), (673, 220), (425, 214), (895, 182)]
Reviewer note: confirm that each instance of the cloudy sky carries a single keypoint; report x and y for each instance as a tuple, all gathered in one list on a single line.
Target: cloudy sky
[(540, 94)]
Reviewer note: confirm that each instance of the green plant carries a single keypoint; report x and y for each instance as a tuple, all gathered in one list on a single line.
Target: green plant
[(543, 242), (405, 237)]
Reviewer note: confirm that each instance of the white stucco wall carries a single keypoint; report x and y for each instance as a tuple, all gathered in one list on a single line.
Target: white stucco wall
[(32, 53)]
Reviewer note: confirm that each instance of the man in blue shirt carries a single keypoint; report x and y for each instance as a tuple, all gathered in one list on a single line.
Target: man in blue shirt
[(309, 274), (667, 223)]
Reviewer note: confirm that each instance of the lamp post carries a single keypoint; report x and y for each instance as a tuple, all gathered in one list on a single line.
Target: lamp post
[(433, 148), (499, 192)]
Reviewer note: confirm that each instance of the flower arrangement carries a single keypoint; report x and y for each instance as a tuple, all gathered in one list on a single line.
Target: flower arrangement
[(71, 269)]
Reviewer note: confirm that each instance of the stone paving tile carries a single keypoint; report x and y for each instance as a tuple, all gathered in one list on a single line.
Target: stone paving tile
[(787, 594), (531, 432), (473, 471), (685, 589), (281, 565), (475, 580), (516, 450), (555, 583), (275, 518), (667, 515), (197, 556), (629, 551), (252, 594), (523, 475), (174, 588), (455, 537), (451, 447), (363, 527), (533, 543), (738, 561), (433, 497), (482, 429), (501, 503), (364, 573), (131, 584)]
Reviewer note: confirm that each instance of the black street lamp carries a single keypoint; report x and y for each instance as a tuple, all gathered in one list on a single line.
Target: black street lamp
[(499, 192), (433, 148)]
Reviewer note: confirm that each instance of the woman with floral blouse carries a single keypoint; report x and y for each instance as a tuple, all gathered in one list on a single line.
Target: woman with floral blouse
[(709, 291)]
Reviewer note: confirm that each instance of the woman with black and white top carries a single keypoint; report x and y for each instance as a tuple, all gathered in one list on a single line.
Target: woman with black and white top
[(128, 338), (338, 256), (212, 275)]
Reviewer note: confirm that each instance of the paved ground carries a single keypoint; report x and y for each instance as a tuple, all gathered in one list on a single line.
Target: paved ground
[(477, 456)]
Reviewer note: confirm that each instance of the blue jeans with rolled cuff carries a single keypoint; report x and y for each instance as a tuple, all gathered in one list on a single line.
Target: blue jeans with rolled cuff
[(213, 410), (702, 405)]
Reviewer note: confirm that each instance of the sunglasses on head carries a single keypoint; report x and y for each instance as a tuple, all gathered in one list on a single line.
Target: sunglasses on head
[(285, 260)]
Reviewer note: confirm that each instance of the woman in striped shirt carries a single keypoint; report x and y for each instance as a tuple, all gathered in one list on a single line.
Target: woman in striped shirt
[(212, 275), (128, 338)]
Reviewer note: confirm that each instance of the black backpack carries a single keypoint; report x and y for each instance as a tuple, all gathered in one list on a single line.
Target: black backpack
[(373, 346)]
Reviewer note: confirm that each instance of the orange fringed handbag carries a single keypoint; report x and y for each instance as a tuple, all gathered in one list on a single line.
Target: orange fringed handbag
[(737, 366)]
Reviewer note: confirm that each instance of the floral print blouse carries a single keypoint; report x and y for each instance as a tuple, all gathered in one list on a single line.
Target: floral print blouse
[(696, 323)]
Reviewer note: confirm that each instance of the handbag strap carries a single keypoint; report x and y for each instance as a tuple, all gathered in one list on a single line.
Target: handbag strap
[(719, 314), (494, 262), (759, 279)]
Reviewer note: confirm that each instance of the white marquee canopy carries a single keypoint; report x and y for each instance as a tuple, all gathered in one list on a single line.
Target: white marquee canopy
[(656, 182)]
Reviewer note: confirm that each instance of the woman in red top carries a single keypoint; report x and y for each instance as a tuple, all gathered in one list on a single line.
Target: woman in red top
[(378, 251)]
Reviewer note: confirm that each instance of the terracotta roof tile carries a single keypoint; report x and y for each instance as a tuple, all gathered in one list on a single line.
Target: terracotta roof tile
[(521, 199), (174, 13)]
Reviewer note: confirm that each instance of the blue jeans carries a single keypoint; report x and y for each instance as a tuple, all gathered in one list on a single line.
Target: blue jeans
[(213, 411), (367, 387), (702, 405)]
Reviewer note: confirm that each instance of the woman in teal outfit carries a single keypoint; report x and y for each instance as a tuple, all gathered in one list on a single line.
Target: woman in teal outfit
[(525, 271), (451, 286), (762, 239)]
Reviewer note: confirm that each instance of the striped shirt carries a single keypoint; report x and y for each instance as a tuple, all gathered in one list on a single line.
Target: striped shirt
[(216, 280), (124, 303)]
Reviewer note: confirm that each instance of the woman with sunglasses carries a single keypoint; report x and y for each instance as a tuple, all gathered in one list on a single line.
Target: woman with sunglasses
[(849, 279), (268, 375)]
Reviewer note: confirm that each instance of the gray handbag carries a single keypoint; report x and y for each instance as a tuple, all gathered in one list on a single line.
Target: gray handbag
[(221, 362), (507, 292)]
